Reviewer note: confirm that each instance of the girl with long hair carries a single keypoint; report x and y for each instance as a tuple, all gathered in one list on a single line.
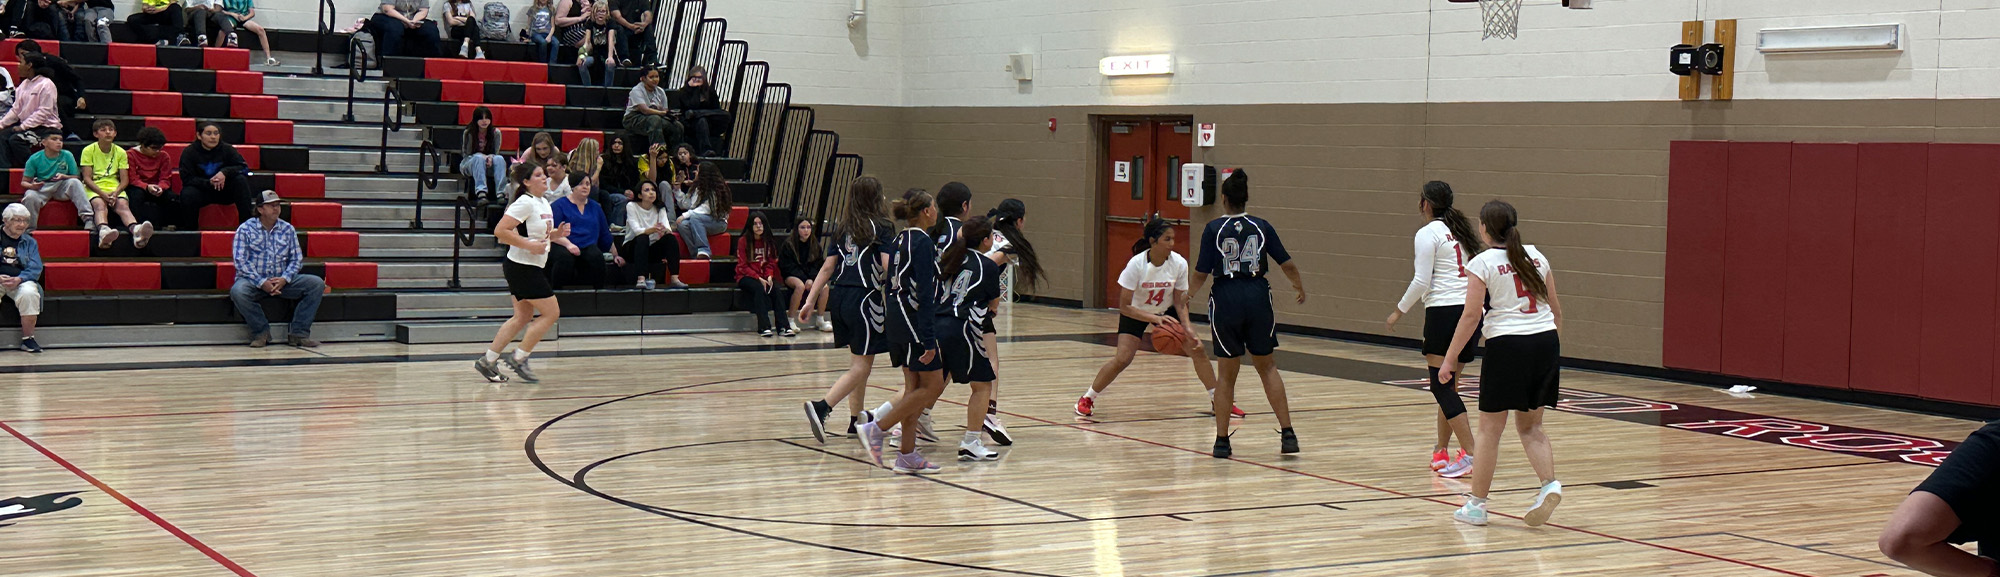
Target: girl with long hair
[(617, 177), (540, 150), (1152, 292), (969, 289), (650, 238), (796, 257), (856, 267), (1511, 287), (1442, 248), (528, 229), (1235, 249), (483, 161), (1012, 251), (912, 316), (710, 212), (757, 276)]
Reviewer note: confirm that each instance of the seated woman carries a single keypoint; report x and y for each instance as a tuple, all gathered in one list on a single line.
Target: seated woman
[(540, 150), (709, 212), (482, 161), (757, 274), (580, 260), (799, 260), (650, 238), (461, 21), (618, 175)]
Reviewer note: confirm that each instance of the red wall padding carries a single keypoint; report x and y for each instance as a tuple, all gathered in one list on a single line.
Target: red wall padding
[(1754, 300), (1961, 247), (1693, 325), (1819, 264), (1889, 190), (225, 58)]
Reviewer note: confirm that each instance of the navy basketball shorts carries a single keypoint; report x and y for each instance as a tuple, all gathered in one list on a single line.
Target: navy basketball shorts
[(961, 345), (1241, 320), (858, 318)]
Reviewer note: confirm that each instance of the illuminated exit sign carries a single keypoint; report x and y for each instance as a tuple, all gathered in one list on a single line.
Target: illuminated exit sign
[(1145, 65)]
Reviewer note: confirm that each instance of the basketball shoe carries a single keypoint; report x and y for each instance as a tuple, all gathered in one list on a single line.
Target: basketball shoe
[(1545, 504), (1084, 405)]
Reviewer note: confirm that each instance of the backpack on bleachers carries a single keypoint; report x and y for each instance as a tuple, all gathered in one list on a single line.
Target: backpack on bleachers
[(495, 21)]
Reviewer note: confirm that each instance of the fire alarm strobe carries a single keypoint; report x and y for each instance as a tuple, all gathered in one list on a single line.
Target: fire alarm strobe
[(1711, 59), (1682, 59)]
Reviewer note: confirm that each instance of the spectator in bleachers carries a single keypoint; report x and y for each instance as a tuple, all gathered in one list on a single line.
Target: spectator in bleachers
[(20, 268), (586, 161), (580, 258), (86, 21), (105, 174), (212, 172), (41, 19), (159, 22), (541, 30), (709, 212), (240, 15), (539, 150), (52, 175), (758, 276), (799, 260), (205, 17), (620, 173), (707, 123), (268, 258), (482, 159), (404, 28), (635, 31), (649, 111), (658, 168), (461, 19), (34, 113), (650, 238), (151, 184), (559, 175), (69, 84), (595, 49), (570, 15), (683, 174)]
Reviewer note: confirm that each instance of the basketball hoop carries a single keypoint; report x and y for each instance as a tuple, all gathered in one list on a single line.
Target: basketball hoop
[(1502, 18)]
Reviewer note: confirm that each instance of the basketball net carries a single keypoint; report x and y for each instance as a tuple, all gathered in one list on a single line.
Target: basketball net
[(1502, 17)]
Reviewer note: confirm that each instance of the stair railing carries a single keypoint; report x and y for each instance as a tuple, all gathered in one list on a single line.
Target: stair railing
[(392, 121), (430, 164)]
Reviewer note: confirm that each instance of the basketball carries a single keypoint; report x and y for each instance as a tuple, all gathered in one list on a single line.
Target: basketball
[(1170, 339)]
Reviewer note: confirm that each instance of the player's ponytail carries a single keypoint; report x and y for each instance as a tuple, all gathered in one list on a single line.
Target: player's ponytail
[(1440, 196), (912, 204), (1155, 227), (1503, 224), (1006, 219), (970, 232), (1236, 191)]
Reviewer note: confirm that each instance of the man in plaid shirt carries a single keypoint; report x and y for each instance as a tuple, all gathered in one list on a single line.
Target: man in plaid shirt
[(267, 265)]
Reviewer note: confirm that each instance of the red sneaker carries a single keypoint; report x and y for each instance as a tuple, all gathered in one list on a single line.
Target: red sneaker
[(1440, 459), (1084, 405), (1237, 412)]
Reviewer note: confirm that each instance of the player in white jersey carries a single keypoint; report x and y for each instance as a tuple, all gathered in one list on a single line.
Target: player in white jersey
[(1442, 247), (1011, 250), (1152, 291), (1517, 289)]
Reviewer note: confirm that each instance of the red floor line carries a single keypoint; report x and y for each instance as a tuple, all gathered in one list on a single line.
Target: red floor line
[(386, 405), (176, 531), (1401, 494)]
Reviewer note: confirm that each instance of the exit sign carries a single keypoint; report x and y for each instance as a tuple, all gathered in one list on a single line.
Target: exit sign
[(1145, 65)]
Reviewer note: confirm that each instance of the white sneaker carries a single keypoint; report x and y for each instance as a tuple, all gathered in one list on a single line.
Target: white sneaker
[(201, 40), (1471, 514), (997, 430), (1545, 504), (973, 450), (230, 40), (825, 324), (465, 48), (926, 430), (1457, 468), (479, 53)]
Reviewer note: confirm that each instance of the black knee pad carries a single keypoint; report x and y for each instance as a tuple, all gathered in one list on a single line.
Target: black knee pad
[(1447, 395)]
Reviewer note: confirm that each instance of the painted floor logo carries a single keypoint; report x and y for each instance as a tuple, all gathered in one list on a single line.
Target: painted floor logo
[(22, 507)]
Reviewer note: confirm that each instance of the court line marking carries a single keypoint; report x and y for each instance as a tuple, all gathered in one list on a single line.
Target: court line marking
[(389, 405), (1415, 558), (933, 479), (212, 554), (1808, 548)]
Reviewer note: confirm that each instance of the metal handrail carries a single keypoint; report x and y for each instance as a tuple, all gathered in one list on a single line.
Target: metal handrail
[(357, 72), (392, 99), (464, 231), (430, 163), (327, 17)]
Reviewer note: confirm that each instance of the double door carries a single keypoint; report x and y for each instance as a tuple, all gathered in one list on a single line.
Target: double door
[(1142, 182)]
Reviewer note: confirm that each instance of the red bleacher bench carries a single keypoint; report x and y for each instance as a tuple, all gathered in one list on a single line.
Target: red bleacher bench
[(176, 129), (253, 107), (57, 214), (143, 78), (225, 58), (267, 131), (546, 94), (63, 243), (695, 272), (739, 217), (300, 185), (333, 244), (315, 215), (148, 103), (131, 55), (239, 82), (102, 275), (350, 275)]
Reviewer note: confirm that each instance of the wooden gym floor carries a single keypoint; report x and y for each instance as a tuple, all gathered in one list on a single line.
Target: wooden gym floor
[(681, 455)]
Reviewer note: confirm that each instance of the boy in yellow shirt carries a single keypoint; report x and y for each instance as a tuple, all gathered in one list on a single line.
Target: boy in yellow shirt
[(105, 172)]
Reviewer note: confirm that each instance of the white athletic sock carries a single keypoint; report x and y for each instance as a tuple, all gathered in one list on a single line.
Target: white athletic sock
[(1211, 396), (885, 408), (521, 355), (1475, 501), (970, 438), (1090, 394), (492, 355)]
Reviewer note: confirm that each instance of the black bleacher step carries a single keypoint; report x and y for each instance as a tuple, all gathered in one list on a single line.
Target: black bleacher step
[(630, 302), (191, 308)]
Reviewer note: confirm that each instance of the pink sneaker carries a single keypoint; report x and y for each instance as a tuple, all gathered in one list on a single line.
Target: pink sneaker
[(1439, 459), (1457, 468), (871, 438), (915, 464)]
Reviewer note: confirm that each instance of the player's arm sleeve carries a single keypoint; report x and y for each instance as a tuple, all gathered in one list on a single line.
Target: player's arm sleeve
[(1421, 282)]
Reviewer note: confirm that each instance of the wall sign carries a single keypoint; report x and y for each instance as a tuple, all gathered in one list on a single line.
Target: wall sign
[(1205, 137), (1121, 171), (1145, 65)]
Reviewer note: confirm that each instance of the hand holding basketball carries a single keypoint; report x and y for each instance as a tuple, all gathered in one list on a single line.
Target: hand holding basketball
[(1170, 338)]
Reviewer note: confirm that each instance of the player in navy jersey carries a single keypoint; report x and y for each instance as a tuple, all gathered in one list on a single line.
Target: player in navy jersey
[(912, 308), (1442, 247), (953, 199), (856, 267), (968, 289), (1237, 249)]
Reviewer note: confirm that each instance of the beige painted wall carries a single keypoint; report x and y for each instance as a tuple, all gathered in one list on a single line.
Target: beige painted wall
[(1340, 180)]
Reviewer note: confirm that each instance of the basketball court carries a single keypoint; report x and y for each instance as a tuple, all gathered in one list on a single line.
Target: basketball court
[(685, 454)]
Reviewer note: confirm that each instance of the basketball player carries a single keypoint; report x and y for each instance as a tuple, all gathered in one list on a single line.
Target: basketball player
[(1235, 248), (1513, 287), (912, 308), (1010, 249), (970, 289), (857, 264), (527, 229), (1958, 503), (1440, 285), (1154, 275)]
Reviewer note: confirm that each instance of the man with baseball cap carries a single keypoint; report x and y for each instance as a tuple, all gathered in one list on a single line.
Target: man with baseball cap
[(267, 265), (20, 267)]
